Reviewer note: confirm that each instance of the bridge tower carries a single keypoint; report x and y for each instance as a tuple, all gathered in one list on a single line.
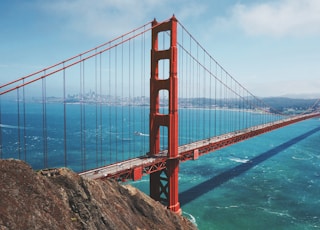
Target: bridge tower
[(164, 184)]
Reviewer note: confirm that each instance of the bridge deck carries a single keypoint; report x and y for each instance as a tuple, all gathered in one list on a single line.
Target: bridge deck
[(136, 167)]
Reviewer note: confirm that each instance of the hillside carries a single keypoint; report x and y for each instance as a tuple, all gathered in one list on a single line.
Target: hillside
[(284, 105), (31, 200)]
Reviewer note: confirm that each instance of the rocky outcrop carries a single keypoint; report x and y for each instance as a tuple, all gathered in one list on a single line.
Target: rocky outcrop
[(62, 199)]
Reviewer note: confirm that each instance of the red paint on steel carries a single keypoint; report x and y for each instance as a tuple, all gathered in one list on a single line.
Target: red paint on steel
[(170, 120), (137, 173)]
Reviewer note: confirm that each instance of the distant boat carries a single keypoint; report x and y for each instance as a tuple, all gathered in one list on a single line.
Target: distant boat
[(136, 133)]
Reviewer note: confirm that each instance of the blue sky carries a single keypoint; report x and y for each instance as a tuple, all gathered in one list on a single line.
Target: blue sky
[(272, 46)]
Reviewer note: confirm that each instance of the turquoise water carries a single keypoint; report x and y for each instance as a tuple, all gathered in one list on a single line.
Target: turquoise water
[(271, 181), (277, 188)]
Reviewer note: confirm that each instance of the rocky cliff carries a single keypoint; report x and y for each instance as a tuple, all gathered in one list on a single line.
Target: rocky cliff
[(64, 200)]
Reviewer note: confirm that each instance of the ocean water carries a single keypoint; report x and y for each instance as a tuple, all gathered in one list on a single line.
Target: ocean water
[(268, 182)]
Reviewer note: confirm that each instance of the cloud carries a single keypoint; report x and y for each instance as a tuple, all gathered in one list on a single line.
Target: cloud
[(277, 18), (105, 18), (101, 18), (190, 10)]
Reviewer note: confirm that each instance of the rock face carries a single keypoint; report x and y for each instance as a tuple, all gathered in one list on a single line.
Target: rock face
[(64, 200)]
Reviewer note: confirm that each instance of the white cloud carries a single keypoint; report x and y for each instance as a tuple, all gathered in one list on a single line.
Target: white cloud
[(191, 9), (105, 18), (278, 18), (102, 18)]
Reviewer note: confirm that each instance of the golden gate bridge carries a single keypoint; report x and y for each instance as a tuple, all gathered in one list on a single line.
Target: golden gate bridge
[(138, 104)]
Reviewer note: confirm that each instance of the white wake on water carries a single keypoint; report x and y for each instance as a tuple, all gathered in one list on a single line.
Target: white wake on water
[(302, 158), (9, 126), (239, 160), (190, 217)]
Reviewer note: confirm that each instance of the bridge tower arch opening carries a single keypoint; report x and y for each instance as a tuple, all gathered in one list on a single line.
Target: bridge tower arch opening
[(164, 184)]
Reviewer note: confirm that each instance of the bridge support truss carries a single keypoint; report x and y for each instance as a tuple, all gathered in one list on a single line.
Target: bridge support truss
[(164, 183)]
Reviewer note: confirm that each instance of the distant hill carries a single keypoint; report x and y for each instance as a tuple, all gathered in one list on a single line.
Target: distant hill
[(301, 96), (284, 104)]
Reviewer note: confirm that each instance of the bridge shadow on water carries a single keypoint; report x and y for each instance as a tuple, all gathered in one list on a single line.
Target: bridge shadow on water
[(206, 186)]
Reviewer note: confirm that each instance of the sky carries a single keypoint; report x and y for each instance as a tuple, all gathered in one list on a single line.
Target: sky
[(271, 47)]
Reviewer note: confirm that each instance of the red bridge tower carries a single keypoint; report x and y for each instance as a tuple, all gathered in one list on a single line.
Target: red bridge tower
[(164, 184)]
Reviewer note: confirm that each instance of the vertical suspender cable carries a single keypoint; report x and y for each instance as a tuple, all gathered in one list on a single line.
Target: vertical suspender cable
[(239, 107), (131, 80), (232, 107), (142, 76), (1, 129), (249, 113), (198, 92), (24, 123), (236, 106), (232, 128), (225, 111), (64, 118), (247, 104), (100, 107), (190, 96), (244, 109), (18, 116), (226, 105), (122, 98), (84, 119), (144, 86), (82, 116), (221, 103), (210, 98), (116, 96), (96, 104), (44, 122), (235, 99), (1, 144), (215, 99), (110, 121), (204, 110), (183, 87), (132, 113)]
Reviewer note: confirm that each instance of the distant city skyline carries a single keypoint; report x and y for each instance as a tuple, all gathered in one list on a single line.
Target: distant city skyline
[(271, 104)]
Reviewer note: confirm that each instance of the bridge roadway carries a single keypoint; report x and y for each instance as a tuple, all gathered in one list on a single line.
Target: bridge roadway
[(137, 167)]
